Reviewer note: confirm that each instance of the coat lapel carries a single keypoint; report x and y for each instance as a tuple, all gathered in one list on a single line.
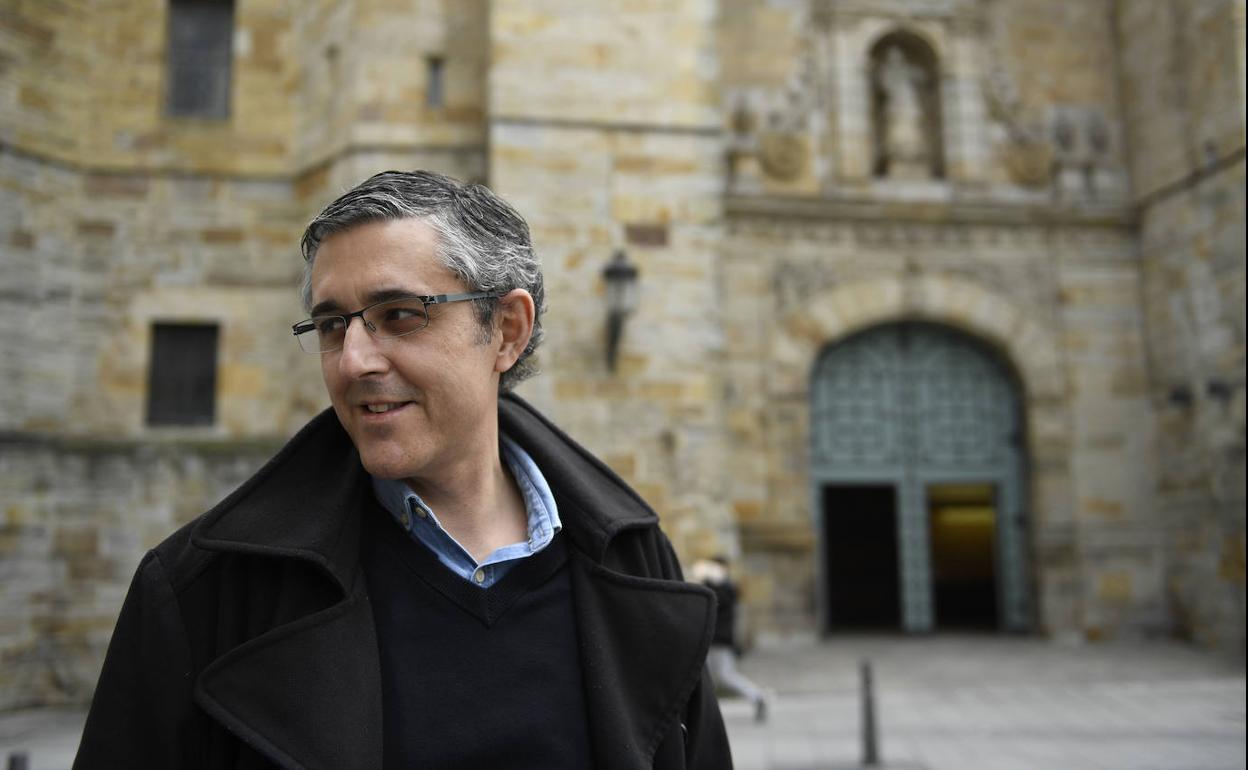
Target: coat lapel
[(643, 640), (643, 647), (306, 693)]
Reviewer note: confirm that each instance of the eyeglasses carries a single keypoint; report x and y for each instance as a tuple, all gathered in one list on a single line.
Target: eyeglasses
[(391, 318)]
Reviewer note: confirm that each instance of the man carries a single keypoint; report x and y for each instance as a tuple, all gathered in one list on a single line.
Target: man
[(430, 574)]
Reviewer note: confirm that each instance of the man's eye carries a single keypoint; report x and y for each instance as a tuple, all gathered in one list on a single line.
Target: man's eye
[(404, 313), (327, 325)]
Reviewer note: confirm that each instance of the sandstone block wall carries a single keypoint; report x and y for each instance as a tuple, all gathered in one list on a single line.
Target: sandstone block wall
[(76, 516), (1183, 74), (604, 131)]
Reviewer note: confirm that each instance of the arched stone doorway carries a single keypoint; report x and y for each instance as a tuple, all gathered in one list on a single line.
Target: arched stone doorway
[(917, 469)]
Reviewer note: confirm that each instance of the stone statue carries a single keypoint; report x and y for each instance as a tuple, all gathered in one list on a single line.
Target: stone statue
[(902, 133)]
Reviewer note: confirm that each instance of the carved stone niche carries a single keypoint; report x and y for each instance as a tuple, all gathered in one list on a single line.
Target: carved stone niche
[(905, 108)]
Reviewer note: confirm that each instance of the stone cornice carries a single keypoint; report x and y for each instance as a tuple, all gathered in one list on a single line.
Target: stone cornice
[(902, 9), (161, 441), (88, 168), (808, 209), (636, 127)]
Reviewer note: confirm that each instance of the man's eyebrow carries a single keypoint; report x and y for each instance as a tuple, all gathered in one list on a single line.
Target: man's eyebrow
[(324, 307), (329, 306), (385, 295)]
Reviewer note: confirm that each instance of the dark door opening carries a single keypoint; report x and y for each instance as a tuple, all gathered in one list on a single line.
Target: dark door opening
[(962, 521), (860, 558)]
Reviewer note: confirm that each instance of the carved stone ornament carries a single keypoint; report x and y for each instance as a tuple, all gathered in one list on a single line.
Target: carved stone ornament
[(1028, 163), (904, 129), (782, 156)]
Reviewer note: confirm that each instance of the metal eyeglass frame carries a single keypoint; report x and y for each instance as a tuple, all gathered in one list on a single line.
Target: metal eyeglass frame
[(309, 325)]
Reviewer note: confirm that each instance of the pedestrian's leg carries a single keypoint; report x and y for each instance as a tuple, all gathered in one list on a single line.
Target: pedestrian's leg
[(724, 672)]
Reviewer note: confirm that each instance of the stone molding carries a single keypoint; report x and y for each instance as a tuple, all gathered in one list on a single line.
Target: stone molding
[(840, 311), (160, 441), (343, 154), (715, 131), (771, 208)]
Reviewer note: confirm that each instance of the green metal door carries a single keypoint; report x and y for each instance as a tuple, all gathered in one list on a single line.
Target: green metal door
[(916, 405)]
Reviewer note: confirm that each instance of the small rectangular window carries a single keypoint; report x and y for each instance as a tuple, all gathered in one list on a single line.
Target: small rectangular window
[(435, 82), (200, 54), (182, 378)]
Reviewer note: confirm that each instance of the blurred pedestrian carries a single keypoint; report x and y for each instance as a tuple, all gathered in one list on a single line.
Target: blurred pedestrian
[(722, 657)]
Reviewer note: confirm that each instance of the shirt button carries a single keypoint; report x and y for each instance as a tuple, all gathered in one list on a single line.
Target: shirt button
[(479, 576), (405, 520)]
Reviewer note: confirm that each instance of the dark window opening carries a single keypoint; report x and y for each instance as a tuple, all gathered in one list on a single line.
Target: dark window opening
[(435, 82), (860, 554), (182, 378), (200, 54)]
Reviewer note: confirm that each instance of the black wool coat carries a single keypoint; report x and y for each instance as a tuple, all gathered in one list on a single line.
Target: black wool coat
[(247, 637)]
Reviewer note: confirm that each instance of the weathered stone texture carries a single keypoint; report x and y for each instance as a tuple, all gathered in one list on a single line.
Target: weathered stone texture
[(77, 517), (1183, 75), (44, 61), (655, 420), (633, 177), (1183, 81), (648, 62)]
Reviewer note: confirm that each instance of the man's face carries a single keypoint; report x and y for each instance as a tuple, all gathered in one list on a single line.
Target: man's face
[(439, 384)]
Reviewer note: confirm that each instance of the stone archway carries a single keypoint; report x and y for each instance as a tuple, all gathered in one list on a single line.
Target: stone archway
[(917, 474), (1021, 340), (845, 309)]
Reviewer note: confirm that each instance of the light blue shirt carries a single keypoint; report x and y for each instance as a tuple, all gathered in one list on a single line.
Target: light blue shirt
[(422, 523)]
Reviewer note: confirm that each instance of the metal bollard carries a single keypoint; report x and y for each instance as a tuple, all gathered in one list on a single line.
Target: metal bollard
[(870, 743), (19, 761)]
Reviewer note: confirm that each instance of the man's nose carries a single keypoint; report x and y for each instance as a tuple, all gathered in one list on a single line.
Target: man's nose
[(361, 354)]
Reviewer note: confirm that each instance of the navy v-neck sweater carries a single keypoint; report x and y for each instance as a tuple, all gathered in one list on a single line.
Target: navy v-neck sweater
[(471, 677)]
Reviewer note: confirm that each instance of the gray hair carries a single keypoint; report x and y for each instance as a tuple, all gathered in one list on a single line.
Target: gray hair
[(481, 239)]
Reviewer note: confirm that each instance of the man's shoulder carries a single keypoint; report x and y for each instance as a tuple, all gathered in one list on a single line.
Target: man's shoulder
[(179, 558), (248, 514)]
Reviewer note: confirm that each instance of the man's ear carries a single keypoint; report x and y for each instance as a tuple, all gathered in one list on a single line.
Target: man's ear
[(514, 318)]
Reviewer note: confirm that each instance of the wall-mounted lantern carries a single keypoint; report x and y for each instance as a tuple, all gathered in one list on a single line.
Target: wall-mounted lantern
[(620, 276)]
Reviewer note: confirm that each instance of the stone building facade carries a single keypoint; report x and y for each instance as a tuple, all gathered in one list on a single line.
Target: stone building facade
[(949, 263)]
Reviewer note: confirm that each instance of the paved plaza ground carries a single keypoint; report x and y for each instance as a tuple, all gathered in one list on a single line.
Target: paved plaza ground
[(996, 703), (943, 703)]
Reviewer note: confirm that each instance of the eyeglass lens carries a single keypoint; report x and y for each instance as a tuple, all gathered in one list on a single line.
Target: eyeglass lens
[(387, 319)]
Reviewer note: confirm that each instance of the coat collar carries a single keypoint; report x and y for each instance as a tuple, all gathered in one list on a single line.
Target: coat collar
[(643, 640), (294, 505), (299, 505), (604, 506)]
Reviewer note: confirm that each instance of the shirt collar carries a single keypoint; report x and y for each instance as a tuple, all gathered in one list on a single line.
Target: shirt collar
[(539, 502)]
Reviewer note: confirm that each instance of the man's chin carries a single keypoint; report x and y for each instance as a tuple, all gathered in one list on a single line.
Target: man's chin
[(388, 471), (387, 465)]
